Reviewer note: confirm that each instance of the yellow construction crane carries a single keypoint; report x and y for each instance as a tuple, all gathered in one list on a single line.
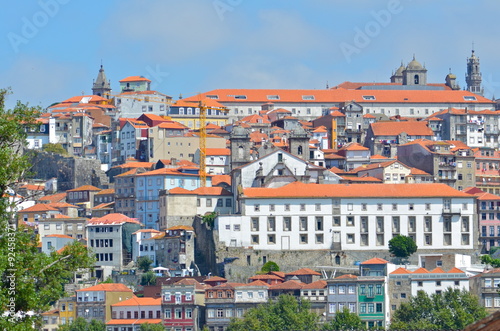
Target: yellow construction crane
[(203, 140)]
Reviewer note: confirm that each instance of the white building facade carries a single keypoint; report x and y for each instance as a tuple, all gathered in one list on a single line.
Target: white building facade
[(361, 217)]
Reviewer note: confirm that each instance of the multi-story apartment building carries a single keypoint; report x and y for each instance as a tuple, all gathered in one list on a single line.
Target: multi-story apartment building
[(220, 306), (110, 238), (188, 112), (174, 249), (394, 172), (132, 313), (143, 244), (83, 197), (449, 162), (150, 183), (488, 169), (488, 215), (95, 302), (485, 285), (358, 217), (383, 138), (183, 305)]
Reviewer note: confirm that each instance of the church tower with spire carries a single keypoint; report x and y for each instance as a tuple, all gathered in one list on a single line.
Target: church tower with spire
[(473, 77), (101, 86)]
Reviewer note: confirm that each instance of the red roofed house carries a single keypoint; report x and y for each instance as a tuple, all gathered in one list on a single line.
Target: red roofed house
[(449, 162), (54, 242), (355, 155), (95, 302), (183, 304), (217, 160), (384, 137), (83, 197), (132, 313), (110, 237)]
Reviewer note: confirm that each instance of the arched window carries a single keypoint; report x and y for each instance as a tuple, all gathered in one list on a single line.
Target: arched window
[(417, 80), (240, 152), (299, 150)]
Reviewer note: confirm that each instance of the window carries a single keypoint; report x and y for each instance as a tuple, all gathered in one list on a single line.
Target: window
[(220, 312), (378, 307), (319, 238), (395, 224), (287, 224), (228, 202), (319, 223), (189, 313), (287, 207), (220, 203), (379, 206), (209, 202), (178, 313), (317, 207), (370, 308), (411, 206), (428, 224), (352, 307), (271, 224), (350, 220), (352, 289), (211, 313), (332, 308), (302, 207), (363, 206), (303, 238), (349, 206), (420, 284), (303, 224), (256, 207), (362, 308), (271, 239), (255, 224), (403, 295), (255, 239), (487, 302), (336, 221), (341, 289), (331, 289), (394, 206), (350, 238)]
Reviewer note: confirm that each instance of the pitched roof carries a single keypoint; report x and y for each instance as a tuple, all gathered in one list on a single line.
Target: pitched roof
[(135, 79), (113, 218), (348, 276), (401, 271), (258, 283), (107, 287), (303, 190), (421, 271), (84, 188), (54, 197), (39, 207), (437, 270), (218, 151), (455, 270), (413, 128), (136, 301), (106, 191), (315, 285), (375, 260), (303, 271), (217, 179), (288, 285)]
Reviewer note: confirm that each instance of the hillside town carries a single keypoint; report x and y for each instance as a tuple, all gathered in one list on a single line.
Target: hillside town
[(210, 188)]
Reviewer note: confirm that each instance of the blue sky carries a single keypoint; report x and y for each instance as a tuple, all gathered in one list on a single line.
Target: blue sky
[(52, 49)]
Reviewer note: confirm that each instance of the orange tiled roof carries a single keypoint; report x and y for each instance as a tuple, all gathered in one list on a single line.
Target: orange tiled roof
[(213, 190), (58, 236), (39, 207), (348, 276), (216, 279), (258, 283), (395, 128), (375, 260), (181, 227), (54, 197), (437, 270), (315, 285), (303, 271), (421, 271), (113, 218), (302, 190), (267, 276), (288, 285), (455, 271), (217, 179), (33, 187), (85, 188), (106, 191), (401, 271), (135, 301), (218, 151), (107, 287), (377, 156), (135, 79)]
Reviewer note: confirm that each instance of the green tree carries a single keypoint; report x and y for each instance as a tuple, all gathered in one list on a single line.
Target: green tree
[(451, 310), (149, 278), (287, 313), (402, 246), (108, 280), (144, 263), (270, 266), (80, 324), (29, 281), (487, 259), (345, 320), (152, 327), (209, 219), (54, 148)]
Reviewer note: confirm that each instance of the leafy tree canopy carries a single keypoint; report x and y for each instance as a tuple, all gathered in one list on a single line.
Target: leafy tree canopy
[(270, 266), (80, 324), (451, 310), (152, 327), (346, 321), (144, 263), (29, 281), (286, 313), (402, 246), (487, 259), (54, 148), (209, 219), (149, 278)]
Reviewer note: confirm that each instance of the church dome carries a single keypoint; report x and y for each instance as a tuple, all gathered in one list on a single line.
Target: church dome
[(414, 65), (399, 71)]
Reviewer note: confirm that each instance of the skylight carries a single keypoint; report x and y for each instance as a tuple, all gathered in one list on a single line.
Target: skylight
[(273, 97), (212, 96), (308, 97), (469, 98), (368, 97)]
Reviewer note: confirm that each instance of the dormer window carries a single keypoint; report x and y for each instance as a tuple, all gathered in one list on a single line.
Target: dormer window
[(368, 97), (469, 98), (273, 97), (308, 97)]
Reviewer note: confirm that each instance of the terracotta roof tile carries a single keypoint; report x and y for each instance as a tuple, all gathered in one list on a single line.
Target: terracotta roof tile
[(85, 188), (218, 151), (135, 79), (319, 284), (348, 276), (217, 179), (107, 287), (54, 197), (401, 271), (135, 301), (395, 128), (288, 285), (39, 207), (455, 271), (303, 271), (301, 190), (58, 236), (437, 270), (258, 283), (421, 271), (375, 260)]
